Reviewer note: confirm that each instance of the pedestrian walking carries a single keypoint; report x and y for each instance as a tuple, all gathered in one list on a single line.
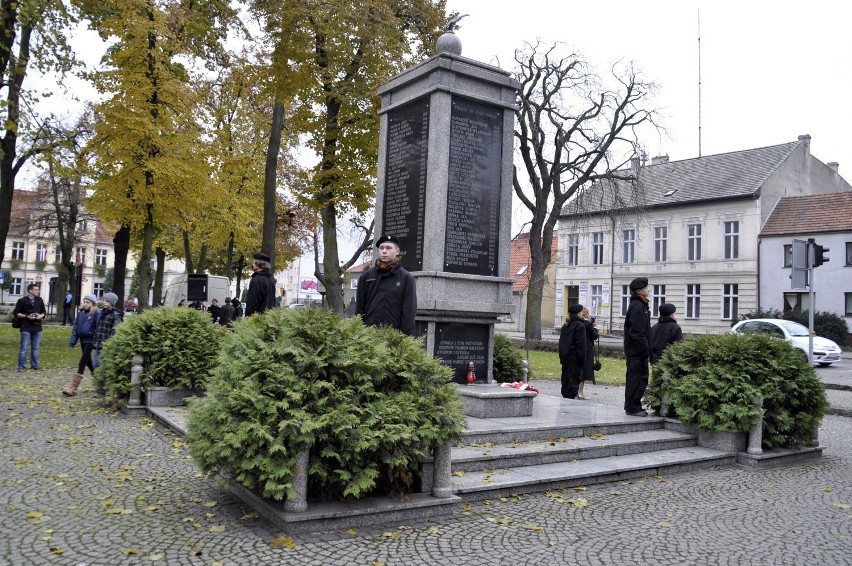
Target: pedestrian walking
[(83, 331), (387, 292), (67, 305), (665, 332), (572, 351), (110, 318), (589, 363), (261, 291), (637, 328), (29, 312), (227, 313)]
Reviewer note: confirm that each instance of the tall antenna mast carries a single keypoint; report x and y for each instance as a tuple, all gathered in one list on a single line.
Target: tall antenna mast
[(699, 82)]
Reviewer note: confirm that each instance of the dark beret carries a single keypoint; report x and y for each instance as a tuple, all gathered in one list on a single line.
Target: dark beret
[(638, 283), (260, 256), (667, 309), (575, 309), (387, 238)]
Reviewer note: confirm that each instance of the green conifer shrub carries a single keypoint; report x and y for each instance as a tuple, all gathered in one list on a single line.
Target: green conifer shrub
[(508, 361), (369, 403), (713, 379), (179, 348)]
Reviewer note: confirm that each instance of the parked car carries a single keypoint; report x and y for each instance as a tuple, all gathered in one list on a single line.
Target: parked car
[(826, 352)]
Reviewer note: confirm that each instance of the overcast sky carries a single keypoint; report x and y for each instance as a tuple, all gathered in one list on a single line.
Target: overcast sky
[(770, 71)]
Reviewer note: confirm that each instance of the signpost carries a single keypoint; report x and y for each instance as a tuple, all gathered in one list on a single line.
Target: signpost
[(807, 256)]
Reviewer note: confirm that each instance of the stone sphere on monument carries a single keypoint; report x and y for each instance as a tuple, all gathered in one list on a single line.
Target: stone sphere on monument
[(449, 43)]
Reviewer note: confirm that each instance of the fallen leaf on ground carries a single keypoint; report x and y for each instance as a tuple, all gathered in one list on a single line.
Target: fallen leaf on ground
[(283, 542)]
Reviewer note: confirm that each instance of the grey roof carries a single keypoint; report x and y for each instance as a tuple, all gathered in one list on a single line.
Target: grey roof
[(738, 174)]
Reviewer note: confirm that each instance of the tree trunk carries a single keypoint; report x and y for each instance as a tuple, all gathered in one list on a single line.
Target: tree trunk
[(187, 253), (330, 277), (158, 278), (121, 244), (241, 263), (144, 266), (202, 259), (269, 181), (229, 271)]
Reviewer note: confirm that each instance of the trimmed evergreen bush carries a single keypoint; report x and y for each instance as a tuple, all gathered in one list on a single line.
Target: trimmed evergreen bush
[(179, 348), (508, 362), (713, 379), (369, 403)]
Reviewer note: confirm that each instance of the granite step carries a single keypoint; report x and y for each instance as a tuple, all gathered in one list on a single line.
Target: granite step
[(472, 457), (490, 483)]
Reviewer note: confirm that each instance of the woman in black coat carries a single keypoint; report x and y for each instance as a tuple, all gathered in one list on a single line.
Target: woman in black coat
[(588, 365), (572, 351)]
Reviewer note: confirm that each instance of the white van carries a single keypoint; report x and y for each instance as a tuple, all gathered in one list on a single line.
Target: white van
[(197, 287)]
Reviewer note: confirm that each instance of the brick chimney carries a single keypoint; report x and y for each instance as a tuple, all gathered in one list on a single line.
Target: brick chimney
[(659, 160), (634, 166)]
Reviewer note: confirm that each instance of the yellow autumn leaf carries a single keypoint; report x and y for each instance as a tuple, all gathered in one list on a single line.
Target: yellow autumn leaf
[(217, 529), (826, 490), (209, 504), (114, 511), (283, 542), (54, 550), (130, 551), (665, 525), (352, 532), (249, 516), (377, 563), (155, 557), (151, 508), (459, 474), (35, 515), (840, 505)]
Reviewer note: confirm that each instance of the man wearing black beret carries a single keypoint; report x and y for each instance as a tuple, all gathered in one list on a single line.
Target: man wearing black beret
[(666, 331), (261, 291), (387, 294), (637, 328)]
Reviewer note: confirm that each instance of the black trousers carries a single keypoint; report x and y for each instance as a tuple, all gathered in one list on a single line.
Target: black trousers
[(571, 376), (86, 359), (637, 382)]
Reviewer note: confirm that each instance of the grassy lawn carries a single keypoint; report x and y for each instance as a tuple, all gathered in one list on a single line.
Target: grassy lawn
[(53, 353), (545, 365)]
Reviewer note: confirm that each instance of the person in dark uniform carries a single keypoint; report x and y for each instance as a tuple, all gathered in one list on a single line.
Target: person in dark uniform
[(637, 328), (572, 351), (387, 293), (261, 291), (667, 331)]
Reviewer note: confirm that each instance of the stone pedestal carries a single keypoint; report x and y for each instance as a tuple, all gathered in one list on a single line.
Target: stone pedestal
[(445, 190)]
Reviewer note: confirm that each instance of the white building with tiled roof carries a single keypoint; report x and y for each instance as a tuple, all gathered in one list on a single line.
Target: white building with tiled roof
[(828, 220), (690, 226)]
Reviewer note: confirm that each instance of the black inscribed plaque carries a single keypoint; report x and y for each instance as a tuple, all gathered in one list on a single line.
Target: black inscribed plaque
[(405, 180), (473, 191), (457, 344)]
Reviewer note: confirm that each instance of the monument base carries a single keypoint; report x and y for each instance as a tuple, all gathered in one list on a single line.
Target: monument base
[(492, 401)]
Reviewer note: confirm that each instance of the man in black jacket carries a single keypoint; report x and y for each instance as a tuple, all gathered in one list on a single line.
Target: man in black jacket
[(637, 328), (387, 293), (261, 291), (29, 311), (666, 331), (572, 351)]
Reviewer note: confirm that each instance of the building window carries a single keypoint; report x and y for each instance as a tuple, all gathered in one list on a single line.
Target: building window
[(693, 300), (83, 226), (788, 255), (848, 302), (628, 247), (98, 290), (730, 299), (658, 299), (597, 248), (41, 252), (796, 302), (573, 249), (100, 257), (15, 288), (660, 241), (597, 299), (848, 253), (17, 251), (81, 256), (693, 242), (732, 240), (57, 254), (625, 299)]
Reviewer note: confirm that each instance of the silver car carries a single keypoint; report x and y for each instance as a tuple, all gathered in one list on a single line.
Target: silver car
[(826, 352)]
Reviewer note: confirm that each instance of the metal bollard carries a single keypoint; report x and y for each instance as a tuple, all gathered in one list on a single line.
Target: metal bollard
[(525, 370), (135, 399), (299, 504), (441, 488), (664, 398), (815, 435), (755, 434)]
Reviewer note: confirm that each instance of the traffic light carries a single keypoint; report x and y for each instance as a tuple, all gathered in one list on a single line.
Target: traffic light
[(820, 255)]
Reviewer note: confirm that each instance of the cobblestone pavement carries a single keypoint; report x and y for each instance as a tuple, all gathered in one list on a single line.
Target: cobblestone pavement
[(81, 484)]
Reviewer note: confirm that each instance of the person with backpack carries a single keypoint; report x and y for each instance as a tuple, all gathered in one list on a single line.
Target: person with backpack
[(83, 331)]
